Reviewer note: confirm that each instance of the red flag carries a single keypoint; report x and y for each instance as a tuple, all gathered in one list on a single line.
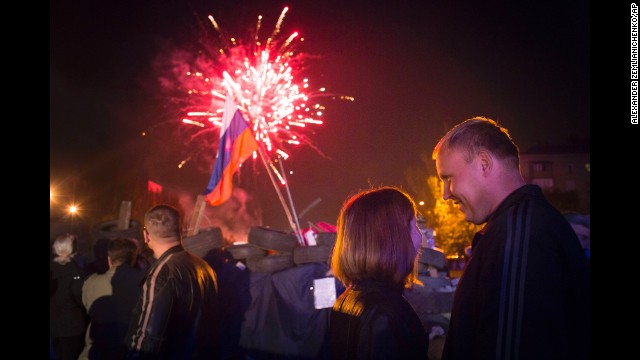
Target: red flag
[(153, 187), (236, 145)]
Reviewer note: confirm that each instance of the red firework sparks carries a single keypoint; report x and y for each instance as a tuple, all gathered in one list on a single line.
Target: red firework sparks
[(263, 79)]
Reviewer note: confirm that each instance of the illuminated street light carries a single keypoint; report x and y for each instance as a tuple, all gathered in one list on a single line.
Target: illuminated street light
[(73, 211)]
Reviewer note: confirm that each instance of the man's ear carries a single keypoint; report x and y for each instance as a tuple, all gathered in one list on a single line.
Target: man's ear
[(486, 162)]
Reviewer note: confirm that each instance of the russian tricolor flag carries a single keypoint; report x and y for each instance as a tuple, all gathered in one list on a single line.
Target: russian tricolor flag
[(236, 145)]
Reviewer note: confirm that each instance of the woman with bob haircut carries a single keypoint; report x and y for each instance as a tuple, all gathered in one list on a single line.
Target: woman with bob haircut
[(375, 258)]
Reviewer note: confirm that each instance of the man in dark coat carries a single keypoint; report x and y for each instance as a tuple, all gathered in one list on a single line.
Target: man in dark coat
[(524, 293), (178, 313)]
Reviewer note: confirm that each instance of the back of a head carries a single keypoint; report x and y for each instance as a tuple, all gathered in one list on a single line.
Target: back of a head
[(374, 238), (64, 248), (122, 251), (475, 134), (163, 222)]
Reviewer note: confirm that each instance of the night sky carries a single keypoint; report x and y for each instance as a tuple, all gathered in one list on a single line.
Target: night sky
[(415, 68)]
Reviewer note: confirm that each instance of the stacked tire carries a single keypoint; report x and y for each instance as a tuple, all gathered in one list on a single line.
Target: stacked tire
[(109, 230), (267, 251), (321, 252), (430, 258), (104, 231), (204, 241), (432, 302)]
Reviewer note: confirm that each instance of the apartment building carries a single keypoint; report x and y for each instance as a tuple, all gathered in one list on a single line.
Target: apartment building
[(561, 169)]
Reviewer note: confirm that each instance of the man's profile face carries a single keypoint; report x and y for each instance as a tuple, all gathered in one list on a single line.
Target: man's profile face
[(462, 183)]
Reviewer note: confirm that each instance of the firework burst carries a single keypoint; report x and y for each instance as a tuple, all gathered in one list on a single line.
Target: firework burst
[(264, 81)]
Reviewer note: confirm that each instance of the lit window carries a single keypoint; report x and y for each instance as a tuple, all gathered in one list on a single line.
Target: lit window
[(541, 166), (544, 183)]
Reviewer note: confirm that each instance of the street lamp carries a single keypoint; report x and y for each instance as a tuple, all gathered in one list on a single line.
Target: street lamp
[(73, 210)]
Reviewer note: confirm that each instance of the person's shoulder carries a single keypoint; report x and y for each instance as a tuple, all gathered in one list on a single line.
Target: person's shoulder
[(529, 201), (187, 257), (132, 272), (70, 268), (126, 268), (380, 301), (92, 278), (179, 261), (546, 223), (54, 267), (544, 214), (527, 210), (390, 311)]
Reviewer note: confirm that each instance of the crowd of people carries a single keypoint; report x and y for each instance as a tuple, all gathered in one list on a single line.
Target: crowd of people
[(166, 310), (524, 292)]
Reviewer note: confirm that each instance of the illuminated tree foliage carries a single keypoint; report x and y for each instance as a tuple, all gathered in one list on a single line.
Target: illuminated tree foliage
[(452, 232)]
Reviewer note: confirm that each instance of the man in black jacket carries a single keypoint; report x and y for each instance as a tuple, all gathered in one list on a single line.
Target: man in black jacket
[(178, 313), (524, 293)]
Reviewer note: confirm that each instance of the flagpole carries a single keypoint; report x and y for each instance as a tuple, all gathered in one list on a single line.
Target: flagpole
[(282, 201), (293, 209)]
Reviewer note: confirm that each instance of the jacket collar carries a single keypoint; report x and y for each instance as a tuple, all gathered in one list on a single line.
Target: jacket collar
[(172, 250), (525, 191)]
